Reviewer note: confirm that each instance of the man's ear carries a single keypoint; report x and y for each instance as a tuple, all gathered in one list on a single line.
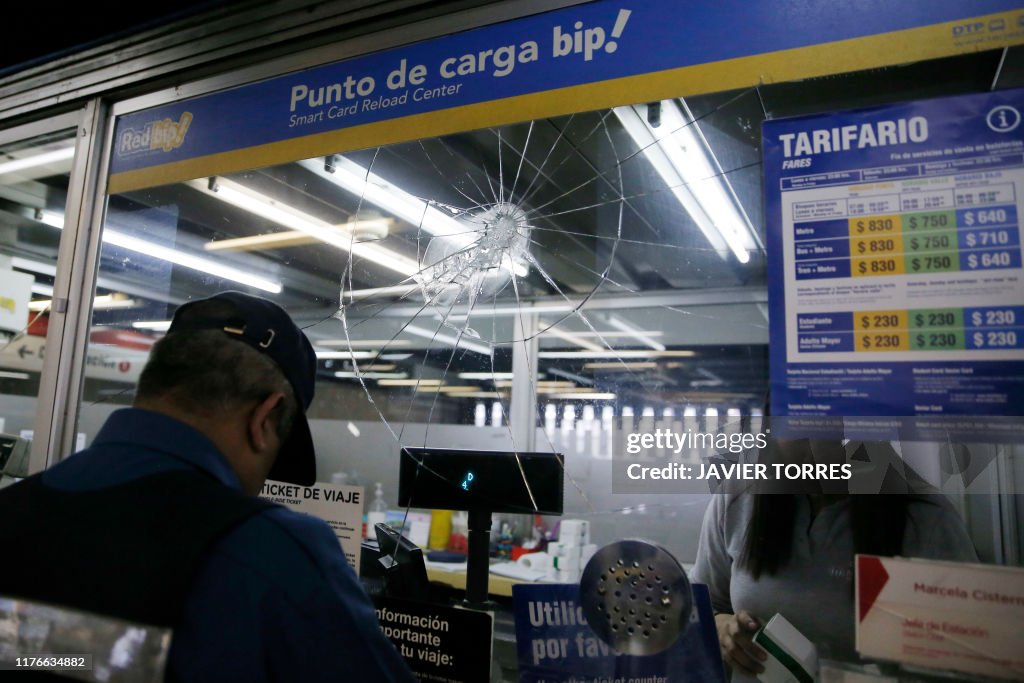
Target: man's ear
[(263, 421)]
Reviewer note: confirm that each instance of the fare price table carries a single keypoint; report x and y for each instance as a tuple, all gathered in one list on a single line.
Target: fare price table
[(896, 264), (941, 241), (926, 329)]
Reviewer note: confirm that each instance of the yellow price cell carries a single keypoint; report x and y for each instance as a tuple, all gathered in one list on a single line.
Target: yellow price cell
[(882, 341), (876, 265), (870, 246), (881, 320), (876, 225)]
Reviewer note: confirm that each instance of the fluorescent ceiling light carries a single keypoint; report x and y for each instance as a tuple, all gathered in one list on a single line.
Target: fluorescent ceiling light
[(516, 309), (346, 355), (181, 258), (573, 339), (449, 340), (410, 382), (612, 365), (261, 205), (371, 188), (44, 290), (4, 374), (295, 238), (35, 160), (573, 389), (189, 261), (104, 302), (584, 396), (34, 266), (372, 292), (615, 354), (478, 394), (620, 324), (612, 334), (357, 343), (156, 325), (485, 375), (683, 159), (546, 384), (348, 374)]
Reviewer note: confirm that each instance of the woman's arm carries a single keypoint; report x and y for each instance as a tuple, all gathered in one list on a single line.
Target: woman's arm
[(713, 567)]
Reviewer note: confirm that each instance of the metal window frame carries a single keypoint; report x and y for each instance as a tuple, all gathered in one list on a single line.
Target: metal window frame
[(27, 131), (68, 330), (49, 391)]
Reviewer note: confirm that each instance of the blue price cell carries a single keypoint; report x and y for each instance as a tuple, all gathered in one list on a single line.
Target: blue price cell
[(990, 259), (989, 217), (996, 339), (993, 316), (988, 238)]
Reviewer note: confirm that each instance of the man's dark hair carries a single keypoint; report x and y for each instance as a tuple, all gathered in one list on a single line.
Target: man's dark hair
[(207, 372)]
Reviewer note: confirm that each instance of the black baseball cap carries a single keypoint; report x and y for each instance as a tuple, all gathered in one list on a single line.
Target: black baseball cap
[(267, 328)]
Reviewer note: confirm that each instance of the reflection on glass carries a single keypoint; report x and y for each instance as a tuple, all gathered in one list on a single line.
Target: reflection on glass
[(571, 261), (538, 286), (33, 190)]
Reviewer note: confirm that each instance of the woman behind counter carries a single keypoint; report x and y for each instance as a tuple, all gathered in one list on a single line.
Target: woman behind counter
[(793, 554)]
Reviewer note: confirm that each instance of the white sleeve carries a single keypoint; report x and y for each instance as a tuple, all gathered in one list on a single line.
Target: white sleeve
[(713, 565)]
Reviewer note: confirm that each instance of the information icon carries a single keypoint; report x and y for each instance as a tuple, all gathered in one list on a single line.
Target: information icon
[(1003, 119)]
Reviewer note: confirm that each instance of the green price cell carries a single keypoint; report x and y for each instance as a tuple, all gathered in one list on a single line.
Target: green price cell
[(932, 318), (940, 262), (931, 220), (931, 241), (943, 340)]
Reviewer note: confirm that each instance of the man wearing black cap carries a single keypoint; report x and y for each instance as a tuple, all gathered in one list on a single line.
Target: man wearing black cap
[(157, 521)]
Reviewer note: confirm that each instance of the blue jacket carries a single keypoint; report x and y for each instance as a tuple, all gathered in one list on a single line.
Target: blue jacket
[(274, 600)]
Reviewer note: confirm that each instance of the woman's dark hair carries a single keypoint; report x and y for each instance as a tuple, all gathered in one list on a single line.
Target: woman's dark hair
[(877, 523)]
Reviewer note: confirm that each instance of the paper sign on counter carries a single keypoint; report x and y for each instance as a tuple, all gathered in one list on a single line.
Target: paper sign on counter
[(942, 615), (340, 506)]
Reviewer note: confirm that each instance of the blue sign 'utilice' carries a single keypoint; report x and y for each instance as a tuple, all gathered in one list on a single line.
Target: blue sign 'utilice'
[(554, 644), (587, 56)]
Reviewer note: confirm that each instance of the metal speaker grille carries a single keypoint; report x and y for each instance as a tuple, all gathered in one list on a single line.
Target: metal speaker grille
[(636, 597)]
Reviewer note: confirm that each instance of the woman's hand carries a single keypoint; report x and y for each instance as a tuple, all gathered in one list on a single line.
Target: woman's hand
[(735, 638)]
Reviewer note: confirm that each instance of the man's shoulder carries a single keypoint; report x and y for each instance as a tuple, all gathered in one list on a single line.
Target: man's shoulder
[(287, 549)]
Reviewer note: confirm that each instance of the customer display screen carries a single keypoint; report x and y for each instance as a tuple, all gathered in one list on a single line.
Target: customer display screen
[(495, 481)]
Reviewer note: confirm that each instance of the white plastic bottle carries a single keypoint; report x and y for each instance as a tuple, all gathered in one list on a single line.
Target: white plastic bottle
[(378, 509)]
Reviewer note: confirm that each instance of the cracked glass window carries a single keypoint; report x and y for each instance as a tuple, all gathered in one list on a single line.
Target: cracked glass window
[(546, 286), (521, 288)]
